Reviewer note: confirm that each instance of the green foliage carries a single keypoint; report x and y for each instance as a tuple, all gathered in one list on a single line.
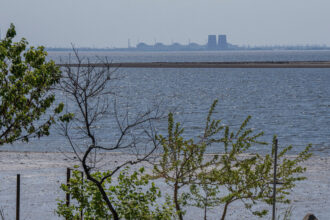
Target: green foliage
[(250, 179), (133, 196), (182, 160), (184, 163), (204, 196), (224, 179), (25, 81)]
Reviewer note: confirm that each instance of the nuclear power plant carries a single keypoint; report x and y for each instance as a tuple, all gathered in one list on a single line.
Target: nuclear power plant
[(212, 43)]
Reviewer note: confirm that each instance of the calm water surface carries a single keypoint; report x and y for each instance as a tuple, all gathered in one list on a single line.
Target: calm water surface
[(292, 103)]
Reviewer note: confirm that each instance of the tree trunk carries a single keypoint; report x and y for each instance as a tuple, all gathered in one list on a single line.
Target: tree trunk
[(176, 202), (205, 207), (225, 211), (106, 199), (99, 186)]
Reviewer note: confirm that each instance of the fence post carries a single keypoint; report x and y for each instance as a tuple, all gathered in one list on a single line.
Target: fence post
[(274, 181), (82, 185), (18, 189), (68, 175)]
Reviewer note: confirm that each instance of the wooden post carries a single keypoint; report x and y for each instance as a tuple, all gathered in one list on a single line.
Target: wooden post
[(274, 181), (82, 185), (18, 189), (68, 175)]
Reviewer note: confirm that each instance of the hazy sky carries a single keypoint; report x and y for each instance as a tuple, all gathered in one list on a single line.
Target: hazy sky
[(110, 23)]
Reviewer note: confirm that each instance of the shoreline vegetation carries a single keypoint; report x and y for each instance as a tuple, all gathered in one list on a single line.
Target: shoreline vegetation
[(269, 64), (42, 173)]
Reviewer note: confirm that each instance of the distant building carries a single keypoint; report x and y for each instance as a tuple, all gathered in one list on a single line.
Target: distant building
[(159, 46), (212, 42), (144, 46), (195, 46), (222, 42), (176, 46)]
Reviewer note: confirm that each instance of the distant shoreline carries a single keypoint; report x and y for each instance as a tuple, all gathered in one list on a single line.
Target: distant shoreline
[(152, 49), (84, 49), (279, 64)]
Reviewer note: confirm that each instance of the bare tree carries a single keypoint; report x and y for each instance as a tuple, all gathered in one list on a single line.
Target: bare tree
[(93, 102)]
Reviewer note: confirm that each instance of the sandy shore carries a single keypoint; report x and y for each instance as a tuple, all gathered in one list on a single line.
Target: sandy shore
[(42, 174)]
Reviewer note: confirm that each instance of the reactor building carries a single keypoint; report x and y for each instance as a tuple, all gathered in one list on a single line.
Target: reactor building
[(212, 43)]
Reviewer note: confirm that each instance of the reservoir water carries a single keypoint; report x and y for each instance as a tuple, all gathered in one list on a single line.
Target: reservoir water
[(291, 103)]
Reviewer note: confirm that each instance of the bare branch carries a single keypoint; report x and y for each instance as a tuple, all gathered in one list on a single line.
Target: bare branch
[(89, 89)]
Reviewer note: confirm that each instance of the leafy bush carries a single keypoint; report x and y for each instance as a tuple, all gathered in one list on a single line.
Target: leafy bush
[(223, 179), (133, 196), (26, 79)]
